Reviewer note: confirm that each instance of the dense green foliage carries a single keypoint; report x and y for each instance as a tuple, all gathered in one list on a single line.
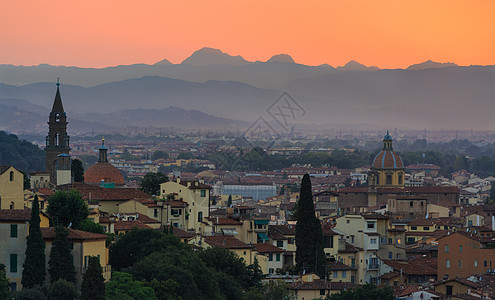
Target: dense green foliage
[(309, 236), (62, 290), (185, 155), (93, 284), (159, 154), (122, 286), (277, 290), (77, 170), (21, 154), (33, 269), (39, 292), (67, 208), (90, 226), (151, 183), (366, 292), (4, 283), (175, 271), (61, 263)]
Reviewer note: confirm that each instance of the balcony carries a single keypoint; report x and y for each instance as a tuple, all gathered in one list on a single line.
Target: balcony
[(373, 266)]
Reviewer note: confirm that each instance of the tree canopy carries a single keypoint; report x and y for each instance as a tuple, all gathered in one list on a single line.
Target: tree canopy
[(158, 154), (124, 286), (309, 236), (21, 154), (33, 269), (151, 183), (66, 208), (365, 292), (61, 263), (77, 170), (93, 284)]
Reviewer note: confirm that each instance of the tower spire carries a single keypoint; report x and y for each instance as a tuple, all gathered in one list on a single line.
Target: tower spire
[(57, 103), (103, 152)]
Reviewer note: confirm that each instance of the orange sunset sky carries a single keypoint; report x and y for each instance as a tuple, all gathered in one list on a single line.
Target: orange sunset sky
[(387, 34)]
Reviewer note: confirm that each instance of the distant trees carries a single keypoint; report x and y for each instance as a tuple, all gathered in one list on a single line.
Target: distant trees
[(61, 263), (67, 208), (62, 290), (151, 183), (21, 154), (159, 154), (77, 170), (309, 236), (185, 155), (93, 284), (33, 269)]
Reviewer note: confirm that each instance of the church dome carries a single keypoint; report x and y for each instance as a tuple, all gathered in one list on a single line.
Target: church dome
[(387, 158), (103, 171)]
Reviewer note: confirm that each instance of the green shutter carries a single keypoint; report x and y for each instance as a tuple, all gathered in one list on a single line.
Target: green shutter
[(13, 230), (13, 263)]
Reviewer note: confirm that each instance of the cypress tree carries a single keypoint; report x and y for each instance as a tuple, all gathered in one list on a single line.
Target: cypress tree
[(61, 263), (309, 236), (33, 269), (93, 284), (4, 283), (229, 201)]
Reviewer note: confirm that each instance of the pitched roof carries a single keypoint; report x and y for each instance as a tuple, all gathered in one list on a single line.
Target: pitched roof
[(267, 248), (182, 233), (15, 214), (321, 284), (284, 229), (4, 168), (49, 234), (225, 221), (336, 265), (420, 266), (225, 241), (129, 225)]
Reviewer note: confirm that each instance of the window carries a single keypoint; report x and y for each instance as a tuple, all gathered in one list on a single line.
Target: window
[(389, 240), (400, 178), (446, 249), (12, 206), (371, 225), (11, 175), (460, 248), (280, 244), (278, 257), (335, 274), (270, 257), (448, 290), (460, 264), (352, 239), (13, 230), (475, 263), (200, 216), (344, 274), (322, 292), (426, 227), (348, 221), (388, 179), (485, 264), (13, 263), (414, 228), (155, 212), (410, 203), (271, 271), (203, 193), (390, 255), (176, 212), (353, 262), (373, 241), (447, 263)]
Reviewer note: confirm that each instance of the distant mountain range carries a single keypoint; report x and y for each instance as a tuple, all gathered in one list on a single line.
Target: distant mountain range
[(214, 89)]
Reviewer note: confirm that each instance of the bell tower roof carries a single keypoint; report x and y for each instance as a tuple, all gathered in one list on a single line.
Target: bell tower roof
[(57, 104)]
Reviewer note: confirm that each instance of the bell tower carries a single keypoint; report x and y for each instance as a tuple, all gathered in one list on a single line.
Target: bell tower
[(57, 140)]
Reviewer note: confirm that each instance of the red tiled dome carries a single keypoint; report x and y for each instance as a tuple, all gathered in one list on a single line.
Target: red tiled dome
[(388, 159), (103, 171)]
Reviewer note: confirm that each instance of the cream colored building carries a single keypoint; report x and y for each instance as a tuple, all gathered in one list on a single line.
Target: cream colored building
[(197, 196), (11, 188)]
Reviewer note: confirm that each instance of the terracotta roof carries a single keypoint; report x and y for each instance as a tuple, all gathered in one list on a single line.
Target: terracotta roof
[(335, 265), (194, 184), (175, 203), (349, 248), (267, 248), (129, 225), (46, 191), (420, 266), (103, 171), (49, 234), (321, 284), (91, 192), (275, 235), (387, 159), (284, 229), (390, 275), (225, 221), (225, 241), (182, 233), (15, 214)]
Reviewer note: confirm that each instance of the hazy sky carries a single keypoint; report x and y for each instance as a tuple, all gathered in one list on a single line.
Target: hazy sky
[(388, 34)]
